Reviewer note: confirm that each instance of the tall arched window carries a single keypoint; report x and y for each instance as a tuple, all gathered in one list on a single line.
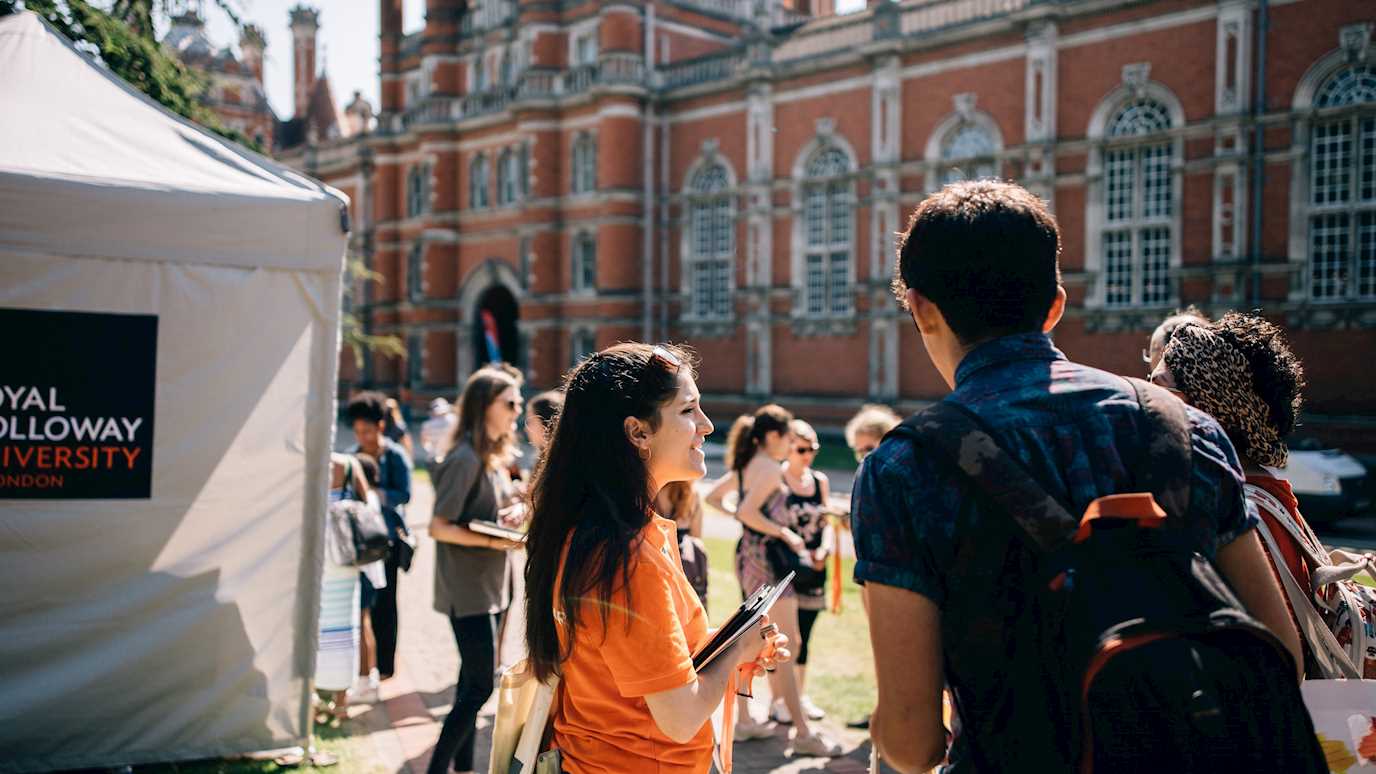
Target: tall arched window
[(1138, 206), (477, 182), (508, 172), (1342, 187), (711, 242), (584, 263), (828, 223), (968, 152), (418, 190), (584, 164)]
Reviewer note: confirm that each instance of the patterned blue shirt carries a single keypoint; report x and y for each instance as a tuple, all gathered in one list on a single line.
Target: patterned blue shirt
[(1075, 429)]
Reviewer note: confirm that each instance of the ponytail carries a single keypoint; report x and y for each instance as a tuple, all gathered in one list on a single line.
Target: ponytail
[(748, 432)]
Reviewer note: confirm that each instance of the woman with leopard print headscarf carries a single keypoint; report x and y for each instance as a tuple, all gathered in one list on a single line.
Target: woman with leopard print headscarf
[(1240, 370)]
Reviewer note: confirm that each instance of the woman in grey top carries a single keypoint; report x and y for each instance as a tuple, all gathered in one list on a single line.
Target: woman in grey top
[(473, 570)]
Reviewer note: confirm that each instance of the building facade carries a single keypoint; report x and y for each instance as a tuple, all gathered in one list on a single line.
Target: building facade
[(732, 174)]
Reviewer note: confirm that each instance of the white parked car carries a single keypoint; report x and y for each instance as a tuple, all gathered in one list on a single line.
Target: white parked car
[(1329, 483)]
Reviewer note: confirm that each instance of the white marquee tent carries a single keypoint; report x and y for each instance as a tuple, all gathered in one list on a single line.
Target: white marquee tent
[(177, 621)]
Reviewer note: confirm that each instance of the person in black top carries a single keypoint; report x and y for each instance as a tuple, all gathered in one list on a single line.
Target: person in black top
[(367, 414)]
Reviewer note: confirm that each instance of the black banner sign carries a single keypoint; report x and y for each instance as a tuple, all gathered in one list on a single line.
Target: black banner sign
[(76, 405)]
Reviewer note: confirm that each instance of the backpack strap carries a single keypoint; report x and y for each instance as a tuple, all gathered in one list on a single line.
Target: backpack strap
[(1166, 461), (960, 437)]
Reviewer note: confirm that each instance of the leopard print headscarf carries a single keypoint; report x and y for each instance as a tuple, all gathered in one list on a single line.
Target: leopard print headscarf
[(1216, 378)]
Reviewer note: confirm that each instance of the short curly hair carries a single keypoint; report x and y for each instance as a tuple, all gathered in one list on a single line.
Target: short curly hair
[(1277, 376)]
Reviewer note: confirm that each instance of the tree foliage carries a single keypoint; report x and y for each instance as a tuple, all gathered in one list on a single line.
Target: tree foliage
[(123, 39)]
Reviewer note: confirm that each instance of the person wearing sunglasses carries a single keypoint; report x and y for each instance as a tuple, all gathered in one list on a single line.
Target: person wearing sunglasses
[(806, 514), (473, 571)]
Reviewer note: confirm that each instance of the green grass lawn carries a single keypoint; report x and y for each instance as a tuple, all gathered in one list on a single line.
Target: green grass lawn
[(840, 669)]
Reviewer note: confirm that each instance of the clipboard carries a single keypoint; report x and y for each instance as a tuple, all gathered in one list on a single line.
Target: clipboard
[(750, 611), (496, 530)]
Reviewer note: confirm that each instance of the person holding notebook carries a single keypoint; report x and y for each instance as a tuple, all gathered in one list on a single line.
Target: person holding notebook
[(473, 575), (610, 610)]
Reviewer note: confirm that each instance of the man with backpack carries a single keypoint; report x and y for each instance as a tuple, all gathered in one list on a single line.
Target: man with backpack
[(1108, 641)]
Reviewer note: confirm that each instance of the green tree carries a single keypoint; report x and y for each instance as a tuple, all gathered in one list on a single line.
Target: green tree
[(123, 38), (351, 331)]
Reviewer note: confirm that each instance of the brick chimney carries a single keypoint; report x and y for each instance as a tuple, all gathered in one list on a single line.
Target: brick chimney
[(390, 46), (251, 45), (305, 23)]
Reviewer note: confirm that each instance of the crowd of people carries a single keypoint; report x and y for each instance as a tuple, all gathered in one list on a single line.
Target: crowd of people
[(608, 589)]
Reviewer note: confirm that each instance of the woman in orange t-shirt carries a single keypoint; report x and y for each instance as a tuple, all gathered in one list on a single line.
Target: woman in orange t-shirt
[(610, 609)]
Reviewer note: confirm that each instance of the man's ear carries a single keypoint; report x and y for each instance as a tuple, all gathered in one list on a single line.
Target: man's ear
[(1057, 310), (637, 432), (926, 315)]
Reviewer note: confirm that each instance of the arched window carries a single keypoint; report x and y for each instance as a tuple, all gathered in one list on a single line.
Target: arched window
[(584, 164), (828, 223), (1342, 187), (1138, 198), (508, 172), (584, 263), (418, 190), (415, 272), (711, 242), (968, 152), (477, 182)]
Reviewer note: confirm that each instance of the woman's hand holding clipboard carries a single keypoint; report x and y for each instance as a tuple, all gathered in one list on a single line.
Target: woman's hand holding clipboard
[(748, 618)]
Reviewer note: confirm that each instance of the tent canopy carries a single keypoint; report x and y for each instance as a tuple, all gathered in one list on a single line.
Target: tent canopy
[(86, 160), (180, 295)]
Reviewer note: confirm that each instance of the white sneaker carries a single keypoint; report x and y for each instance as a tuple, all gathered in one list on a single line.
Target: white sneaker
[(818, 745), (749, 728), (364, 690), (778, 712), (812, 711)]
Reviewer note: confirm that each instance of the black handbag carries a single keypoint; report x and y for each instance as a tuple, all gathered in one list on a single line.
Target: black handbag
[(783, 560), (356, 534)]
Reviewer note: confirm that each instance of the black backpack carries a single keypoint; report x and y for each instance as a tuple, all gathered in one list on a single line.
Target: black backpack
[(1148, 661)]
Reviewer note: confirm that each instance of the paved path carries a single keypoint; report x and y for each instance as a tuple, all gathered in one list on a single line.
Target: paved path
[(404, 726)]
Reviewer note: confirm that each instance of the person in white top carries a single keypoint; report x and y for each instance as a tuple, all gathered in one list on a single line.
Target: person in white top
[(436, 431)]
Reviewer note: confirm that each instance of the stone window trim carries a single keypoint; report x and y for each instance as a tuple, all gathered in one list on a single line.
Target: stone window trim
[(583, 44), (710, 183), (1354, 120), (844, 247), (1137, 91), (944, 160)]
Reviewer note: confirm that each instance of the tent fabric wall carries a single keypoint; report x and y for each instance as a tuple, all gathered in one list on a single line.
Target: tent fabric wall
[(183, 625)]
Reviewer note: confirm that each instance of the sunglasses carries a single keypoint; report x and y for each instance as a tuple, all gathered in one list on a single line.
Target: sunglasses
[(513, 405), (808, 449)]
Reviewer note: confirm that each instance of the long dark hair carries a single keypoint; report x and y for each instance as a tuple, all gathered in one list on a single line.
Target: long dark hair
[(748, 432), (591, 491), (478, 394)]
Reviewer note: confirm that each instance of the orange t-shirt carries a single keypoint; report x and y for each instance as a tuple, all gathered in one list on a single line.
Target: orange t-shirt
[(602, 724)]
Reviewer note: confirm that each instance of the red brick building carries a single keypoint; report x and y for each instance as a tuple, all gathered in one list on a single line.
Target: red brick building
[(731, 174)]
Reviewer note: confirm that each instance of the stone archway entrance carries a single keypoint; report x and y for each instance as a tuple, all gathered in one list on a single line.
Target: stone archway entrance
[(494, 331), (491, 291)]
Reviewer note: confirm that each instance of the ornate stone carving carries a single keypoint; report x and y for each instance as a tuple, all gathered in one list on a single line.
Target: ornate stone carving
[(1135, 77), (965, 105), (1355, 41)]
